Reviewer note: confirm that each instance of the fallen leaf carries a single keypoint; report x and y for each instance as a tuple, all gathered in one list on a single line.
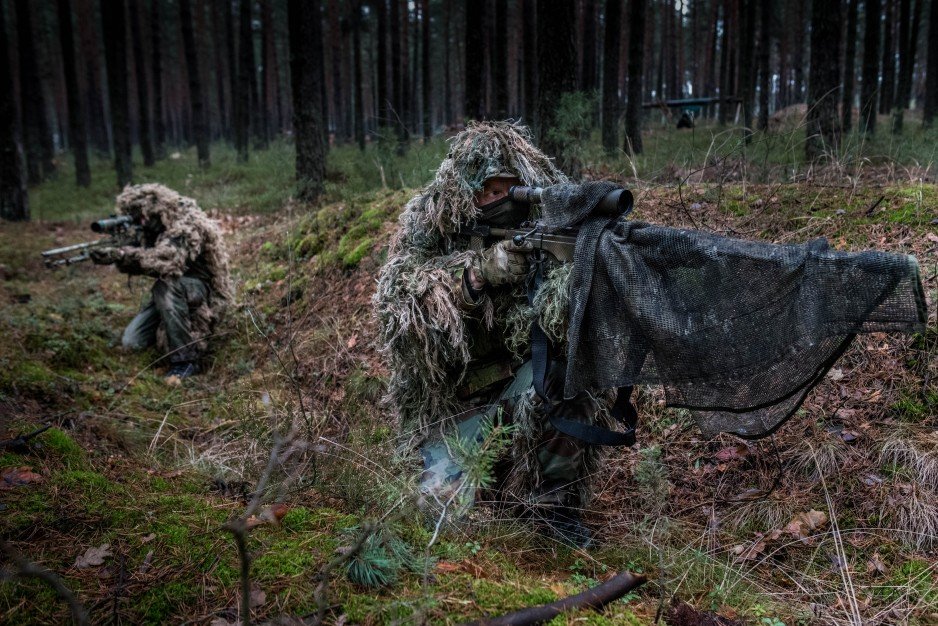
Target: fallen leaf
[(173, 381), (352, 342), (446, 566), (93, 556), (146, 562), (270, 515), (148, 538), (804, 523), (875, 564), (932, 237), (836, 374), (15, 476), (258, 597), (749, 552), (732, 452)]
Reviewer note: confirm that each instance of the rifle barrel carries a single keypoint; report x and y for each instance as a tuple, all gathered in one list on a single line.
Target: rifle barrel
[(67, 249)]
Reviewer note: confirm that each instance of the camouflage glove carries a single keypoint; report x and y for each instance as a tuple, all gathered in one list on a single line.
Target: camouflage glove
[(105, 255), (503, 264)]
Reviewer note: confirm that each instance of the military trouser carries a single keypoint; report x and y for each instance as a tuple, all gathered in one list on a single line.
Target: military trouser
[(561, 459), (172, 302)]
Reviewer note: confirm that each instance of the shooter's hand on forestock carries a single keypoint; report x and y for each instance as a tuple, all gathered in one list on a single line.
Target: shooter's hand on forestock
[(502, 264), (105, 255)]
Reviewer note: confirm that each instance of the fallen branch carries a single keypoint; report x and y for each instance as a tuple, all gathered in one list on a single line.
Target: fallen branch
[(26, 568), (595, 598), (20, 442)]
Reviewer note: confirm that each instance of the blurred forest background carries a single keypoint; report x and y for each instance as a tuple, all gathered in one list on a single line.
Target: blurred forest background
[(136, 80)]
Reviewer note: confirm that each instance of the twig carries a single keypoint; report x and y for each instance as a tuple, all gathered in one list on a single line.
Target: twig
[(595, 598), (239, 529), (319, 595), (21, 441), (27, 568), (869, 211)]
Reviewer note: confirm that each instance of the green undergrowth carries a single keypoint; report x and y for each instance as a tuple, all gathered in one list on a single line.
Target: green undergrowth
[(160, 500)]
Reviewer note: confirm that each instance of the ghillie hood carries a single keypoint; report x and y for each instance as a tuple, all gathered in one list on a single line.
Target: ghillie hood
[(477, 153), (423, 327), (184, 221)]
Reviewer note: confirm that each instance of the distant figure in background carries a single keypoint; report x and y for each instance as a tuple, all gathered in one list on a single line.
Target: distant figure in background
[(183, 249), (686, 120)]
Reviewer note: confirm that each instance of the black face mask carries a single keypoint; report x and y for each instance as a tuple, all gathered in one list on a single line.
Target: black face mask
[(504, 212)]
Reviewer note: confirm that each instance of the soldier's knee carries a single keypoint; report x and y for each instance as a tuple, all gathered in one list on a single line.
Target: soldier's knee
[(132, 339), (163, 292)]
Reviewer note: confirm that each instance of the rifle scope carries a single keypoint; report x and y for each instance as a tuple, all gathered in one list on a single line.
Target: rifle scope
[(111, 224), (616, 203)]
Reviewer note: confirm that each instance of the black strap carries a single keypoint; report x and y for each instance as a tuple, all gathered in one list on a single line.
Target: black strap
[(622, 410)]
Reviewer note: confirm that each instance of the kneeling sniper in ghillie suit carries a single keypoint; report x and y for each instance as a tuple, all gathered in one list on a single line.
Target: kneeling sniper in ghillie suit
[(455, 327), (183, 249)]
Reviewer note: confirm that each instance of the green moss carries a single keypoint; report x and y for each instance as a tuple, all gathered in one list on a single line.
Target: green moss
[(354, 257), (289, 557), (162, 602), (493, 596), (64, 447)]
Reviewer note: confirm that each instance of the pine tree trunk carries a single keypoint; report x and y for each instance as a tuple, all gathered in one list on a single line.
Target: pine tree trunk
[(849, 67), (765, 51), (306, 75), (14, 197), (220, 55), (531, 71), (746, 74), (610, 113), (37, 135), (908, 38), (869, 88), (143, 88), (425, 63), (267, 23), (556, 54), (475, 66), (930, 108), (798, 62), (199, 128), (384, 115), (78, 137), (633, 108), (447, 72), (589, 46), (113, 19), (233, 68), (242, 96), (726, 81), (888, 85), (500, 60), (159, 119), (357, 93), (823, 127)]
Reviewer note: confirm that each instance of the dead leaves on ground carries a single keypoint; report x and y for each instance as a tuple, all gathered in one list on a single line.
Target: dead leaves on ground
[(93, 557), (804, 527), (270, 515), (15, 476)]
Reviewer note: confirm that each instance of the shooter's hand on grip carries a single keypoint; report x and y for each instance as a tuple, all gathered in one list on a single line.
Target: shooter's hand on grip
[(105, 255), (501, 264)]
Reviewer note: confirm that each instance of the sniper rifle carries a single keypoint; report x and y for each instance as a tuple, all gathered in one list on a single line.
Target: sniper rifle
[(559, 243), (120, 231)]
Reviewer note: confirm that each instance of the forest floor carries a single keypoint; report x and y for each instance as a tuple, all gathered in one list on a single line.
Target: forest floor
[(832, 520)]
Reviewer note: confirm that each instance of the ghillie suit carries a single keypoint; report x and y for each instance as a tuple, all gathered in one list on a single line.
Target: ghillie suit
[(183, 249), (450, 355)]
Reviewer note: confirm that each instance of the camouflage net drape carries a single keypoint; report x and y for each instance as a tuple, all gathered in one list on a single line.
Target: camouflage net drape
[(736, 331)]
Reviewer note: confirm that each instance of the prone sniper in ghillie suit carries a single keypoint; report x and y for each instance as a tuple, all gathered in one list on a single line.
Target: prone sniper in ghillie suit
[(162, 234), (491, 340)]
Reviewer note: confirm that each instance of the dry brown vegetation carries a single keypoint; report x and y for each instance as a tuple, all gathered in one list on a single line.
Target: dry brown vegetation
[(832, 520)]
